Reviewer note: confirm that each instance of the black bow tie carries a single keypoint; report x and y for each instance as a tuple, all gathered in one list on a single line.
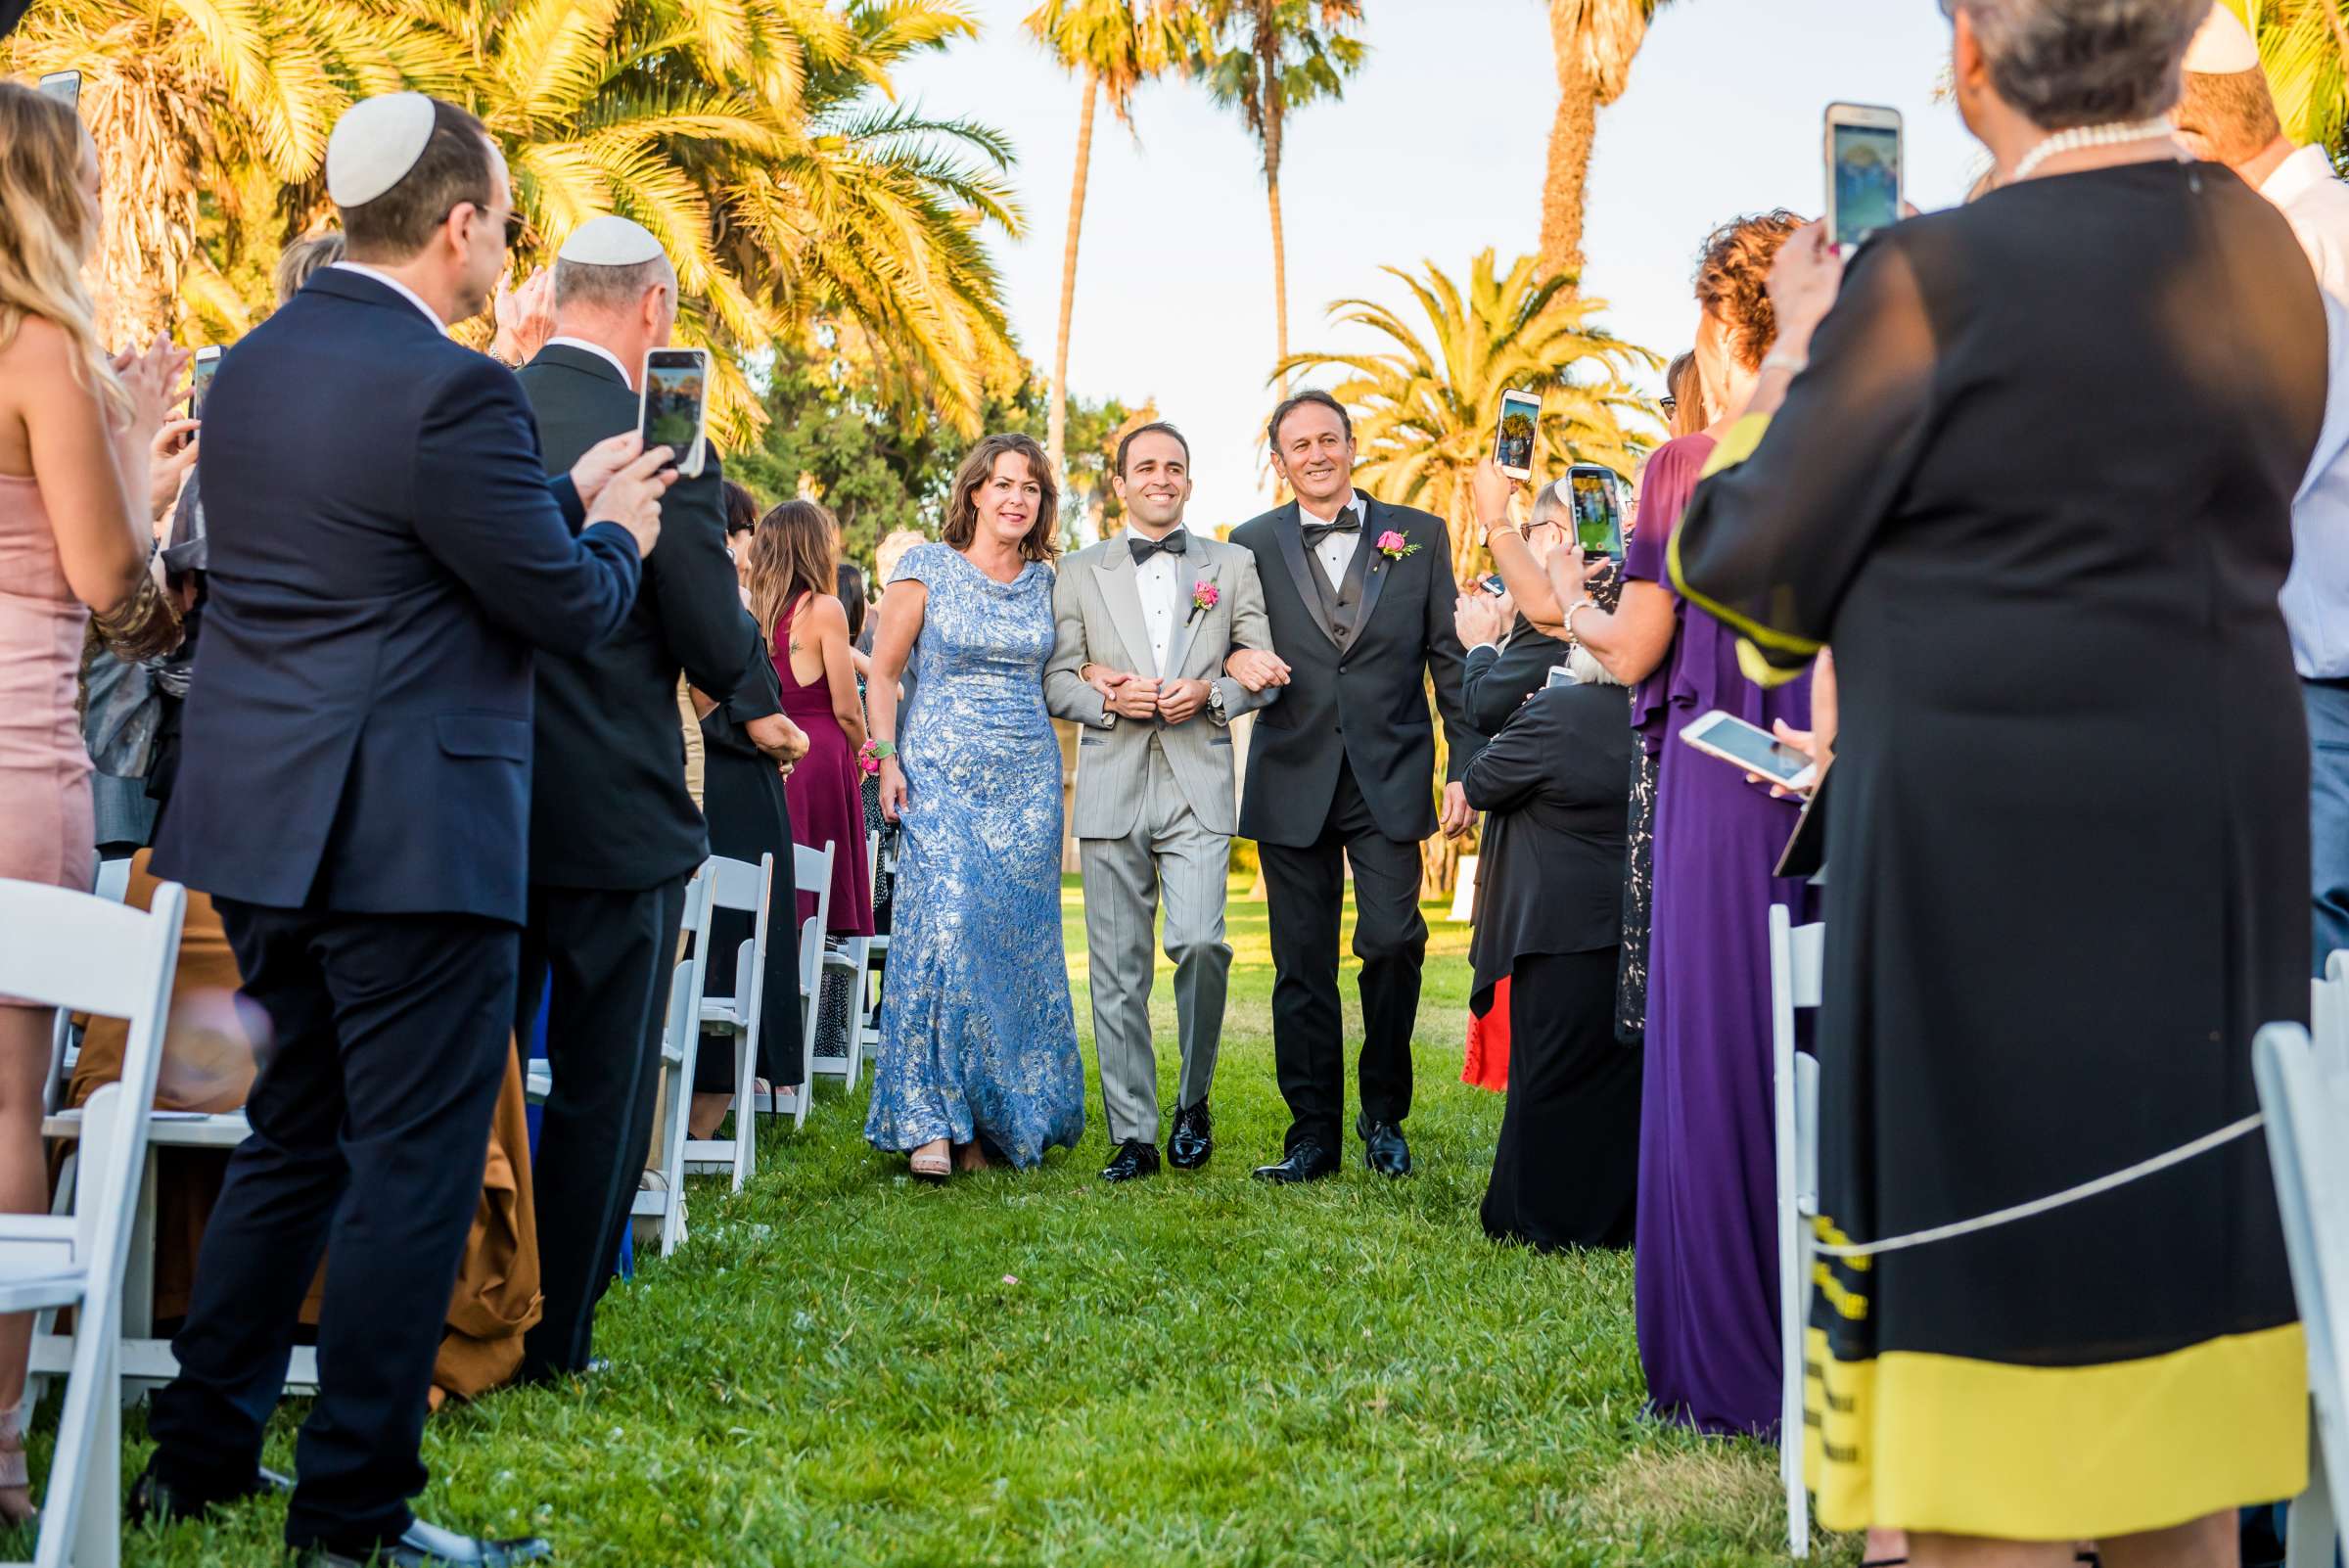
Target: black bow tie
[(1347, 522), (1174, 543)]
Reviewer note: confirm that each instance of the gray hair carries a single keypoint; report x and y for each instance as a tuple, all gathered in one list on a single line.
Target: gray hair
[(296, 263), (1586, 669), (1551, 505), (2063, 63), (579, 282)]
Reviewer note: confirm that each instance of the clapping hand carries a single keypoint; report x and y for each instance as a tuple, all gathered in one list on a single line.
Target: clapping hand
[(1479, 618), (150, 376), (525, 317), (1256, 669)]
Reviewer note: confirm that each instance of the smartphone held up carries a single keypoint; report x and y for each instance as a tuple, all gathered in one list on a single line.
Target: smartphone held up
[(1513, 438), (207, 361), (676, 409), (1866, 180), (65, 86), (1595, 498)]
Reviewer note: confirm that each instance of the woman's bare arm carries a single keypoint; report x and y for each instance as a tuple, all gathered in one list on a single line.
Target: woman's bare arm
[(831, 623), (102, 538), (901, 611)]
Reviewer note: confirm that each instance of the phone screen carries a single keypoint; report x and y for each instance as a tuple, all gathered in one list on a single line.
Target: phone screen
[(1764, 753), (205, 366), (1868, 180), (64, 85), (1513, 445), (1492, 584), (1597, 511), (674, 387)]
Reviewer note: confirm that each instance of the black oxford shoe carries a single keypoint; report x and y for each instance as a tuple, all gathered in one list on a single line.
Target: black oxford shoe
[(1383, 1148), (1307, 1162), (1194, 1138), (428, 1545), (1134, 1161), (153, 1500)]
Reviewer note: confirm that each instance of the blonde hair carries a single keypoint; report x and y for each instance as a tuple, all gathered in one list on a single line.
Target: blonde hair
[(892, 550), (47, 232)]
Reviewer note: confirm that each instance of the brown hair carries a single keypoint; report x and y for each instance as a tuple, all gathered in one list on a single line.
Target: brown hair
[(1732, 280), (304, 258), (796, 551), (1042, 540), (453, 169), (1688, 390), (2234, 113), (1290, 405), (46, 233)]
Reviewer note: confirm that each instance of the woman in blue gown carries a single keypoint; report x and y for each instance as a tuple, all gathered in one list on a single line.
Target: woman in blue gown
[(978, 1060)]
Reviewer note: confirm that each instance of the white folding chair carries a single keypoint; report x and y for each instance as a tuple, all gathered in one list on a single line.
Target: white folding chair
[(663, 1203), (865, 1021), (1795, 982), (86, 954), (747, 888), (811, 872)]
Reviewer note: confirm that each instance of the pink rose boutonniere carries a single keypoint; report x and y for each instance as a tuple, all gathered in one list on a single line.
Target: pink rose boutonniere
[(1393, 546), (1203, 597)]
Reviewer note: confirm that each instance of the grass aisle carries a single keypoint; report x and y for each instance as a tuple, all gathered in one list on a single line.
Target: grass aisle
[(843, 1367)]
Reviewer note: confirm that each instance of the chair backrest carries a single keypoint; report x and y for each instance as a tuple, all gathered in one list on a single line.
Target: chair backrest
[(747, 889), (811, 872), (2304, 1089), (1796, 957)]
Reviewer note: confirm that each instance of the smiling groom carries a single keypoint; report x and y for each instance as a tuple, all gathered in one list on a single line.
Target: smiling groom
[(1147, 622), (1361, 598)]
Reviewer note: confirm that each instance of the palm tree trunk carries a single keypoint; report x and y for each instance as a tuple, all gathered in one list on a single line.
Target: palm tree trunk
[(1056, 421), (1572, 133), (1280, 244)]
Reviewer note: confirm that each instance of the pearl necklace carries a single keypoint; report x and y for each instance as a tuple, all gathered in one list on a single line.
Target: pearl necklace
[(2072, 141)]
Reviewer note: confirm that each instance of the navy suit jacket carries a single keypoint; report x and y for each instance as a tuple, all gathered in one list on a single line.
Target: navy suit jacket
[(387, 549)]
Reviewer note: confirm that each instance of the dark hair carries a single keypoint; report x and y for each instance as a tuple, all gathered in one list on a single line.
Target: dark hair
[(2235, 112), (453, 169), (742, 510), (1290, 405), (1157, 427), (852, 596), (1042, 539), (1733, 280)]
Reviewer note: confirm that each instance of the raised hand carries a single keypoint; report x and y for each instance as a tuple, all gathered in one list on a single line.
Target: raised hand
[(1479, 618), (151, 377), (525, 317)]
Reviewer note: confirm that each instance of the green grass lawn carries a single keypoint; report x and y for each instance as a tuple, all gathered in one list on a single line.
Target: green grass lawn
[(845, 1367)]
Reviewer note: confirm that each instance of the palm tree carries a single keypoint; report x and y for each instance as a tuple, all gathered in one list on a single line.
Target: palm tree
[(1592, 42), (2305, 46), (1425, 408), (183, 95), (1270, 57), (1114, 46)]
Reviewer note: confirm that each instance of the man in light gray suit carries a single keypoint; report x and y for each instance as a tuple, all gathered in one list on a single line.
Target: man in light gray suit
[(1149, 622)]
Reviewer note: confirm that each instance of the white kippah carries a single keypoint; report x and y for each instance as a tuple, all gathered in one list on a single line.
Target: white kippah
[(2224, 47), (610, 242), (374, 145)]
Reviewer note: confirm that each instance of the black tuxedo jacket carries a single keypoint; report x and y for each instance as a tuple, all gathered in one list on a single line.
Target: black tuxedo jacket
[(1500, 679), (385, 551), (1367, 704), (608, 807)]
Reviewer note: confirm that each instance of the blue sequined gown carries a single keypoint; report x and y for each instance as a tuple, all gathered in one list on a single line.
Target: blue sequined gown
[(977, 1034)]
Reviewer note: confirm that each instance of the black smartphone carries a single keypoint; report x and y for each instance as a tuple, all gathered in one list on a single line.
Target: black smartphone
[(207, 361), (1598, 498), (65, 86), (675, 411), (1492, 585)]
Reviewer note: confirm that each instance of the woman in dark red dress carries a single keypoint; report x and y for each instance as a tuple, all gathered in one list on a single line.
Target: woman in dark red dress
[(795, 564)]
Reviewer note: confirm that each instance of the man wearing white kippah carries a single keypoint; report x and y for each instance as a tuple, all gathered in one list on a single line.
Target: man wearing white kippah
[(386, 551), (2227, 114), (614, 834)]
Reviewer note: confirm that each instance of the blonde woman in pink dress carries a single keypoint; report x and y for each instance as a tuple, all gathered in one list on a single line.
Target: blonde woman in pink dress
[(75, 429)]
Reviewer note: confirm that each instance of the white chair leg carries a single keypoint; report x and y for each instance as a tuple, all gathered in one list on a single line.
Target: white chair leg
[(680, 1105), (857, 1011), (745, 1109), (98, 1531), (2311, 1529), (138, 1277)]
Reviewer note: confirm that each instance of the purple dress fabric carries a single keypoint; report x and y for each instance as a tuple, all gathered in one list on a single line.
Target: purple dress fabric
[(1707, 1287)]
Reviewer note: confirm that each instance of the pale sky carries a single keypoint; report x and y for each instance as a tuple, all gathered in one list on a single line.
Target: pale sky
[(1435, 151)]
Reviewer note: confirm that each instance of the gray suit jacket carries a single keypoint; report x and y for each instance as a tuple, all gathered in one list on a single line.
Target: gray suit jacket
[(1098, 611)]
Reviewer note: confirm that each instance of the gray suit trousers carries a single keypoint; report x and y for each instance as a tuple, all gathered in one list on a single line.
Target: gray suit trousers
[(1168, 849)]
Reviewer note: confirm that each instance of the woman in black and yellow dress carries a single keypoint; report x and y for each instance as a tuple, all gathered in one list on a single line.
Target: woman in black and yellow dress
[(2035, 485)]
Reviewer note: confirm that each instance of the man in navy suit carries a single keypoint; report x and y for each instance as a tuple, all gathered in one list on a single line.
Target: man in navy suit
[(386, 551)]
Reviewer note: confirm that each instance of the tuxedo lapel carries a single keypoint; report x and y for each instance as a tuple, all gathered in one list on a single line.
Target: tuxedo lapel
[(1114, 573), (1288, 525), (1379, 568), (1189, 615)]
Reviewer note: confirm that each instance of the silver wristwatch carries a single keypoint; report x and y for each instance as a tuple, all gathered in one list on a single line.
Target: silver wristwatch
[(1215, 697)]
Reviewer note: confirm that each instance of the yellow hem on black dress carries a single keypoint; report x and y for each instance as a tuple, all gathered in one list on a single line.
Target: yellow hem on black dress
[(1911, 1441)]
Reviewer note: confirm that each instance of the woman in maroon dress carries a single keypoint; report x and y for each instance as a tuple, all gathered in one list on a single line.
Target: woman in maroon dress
[(795, 564)]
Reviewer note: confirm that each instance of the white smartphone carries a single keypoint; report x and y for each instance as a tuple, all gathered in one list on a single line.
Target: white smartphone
[(1560, 675), (1754, 751), (65, 86), (676, 409), (1865, 177), (208, 360), (1513, 441)]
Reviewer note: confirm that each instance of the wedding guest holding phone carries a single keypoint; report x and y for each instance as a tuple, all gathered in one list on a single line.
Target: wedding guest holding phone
[(77, 429), (1509, 658), (2049, 945)]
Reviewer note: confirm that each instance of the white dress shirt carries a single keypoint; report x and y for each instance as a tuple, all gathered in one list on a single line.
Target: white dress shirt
[(399, 288), (2315, 595), (597, 349), (1161, 583), (1336, 550)]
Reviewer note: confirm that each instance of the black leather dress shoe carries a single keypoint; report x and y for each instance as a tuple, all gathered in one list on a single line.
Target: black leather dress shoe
[(1193, 1139), (1134, 1161), (1307, 1162), (1383, 1148), (154, 1501), (426, 1546)]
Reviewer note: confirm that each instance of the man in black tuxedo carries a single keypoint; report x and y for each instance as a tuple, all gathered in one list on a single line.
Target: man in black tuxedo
[(613, 833), (1342, 769), (385, 550)]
